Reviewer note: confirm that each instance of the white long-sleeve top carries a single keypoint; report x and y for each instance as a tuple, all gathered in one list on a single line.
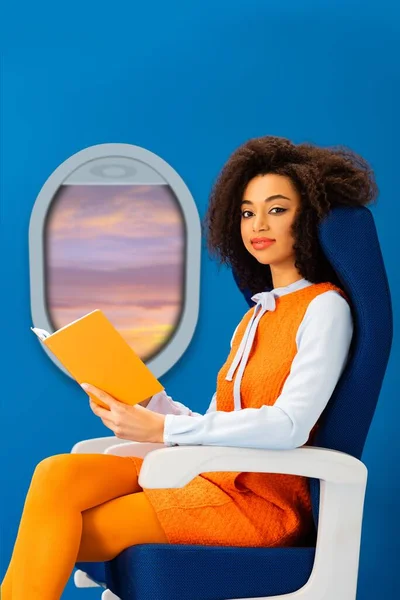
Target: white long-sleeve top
[(323, 341)]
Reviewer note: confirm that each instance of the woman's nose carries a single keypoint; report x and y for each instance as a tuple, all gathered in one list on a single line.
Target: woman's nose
[(260, 224)]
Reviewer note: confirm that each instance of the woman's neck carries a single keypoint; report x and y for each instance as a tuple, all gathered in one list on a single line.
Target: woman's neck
[(284, 281)]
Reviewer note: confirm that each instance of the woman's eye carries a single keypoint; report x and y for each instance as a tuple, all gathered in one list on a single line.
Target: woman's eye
[(282, 210)]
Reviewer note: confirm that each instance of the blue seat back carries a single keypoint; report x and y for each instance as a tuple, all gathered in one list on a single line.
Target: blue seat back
[(349, 240)]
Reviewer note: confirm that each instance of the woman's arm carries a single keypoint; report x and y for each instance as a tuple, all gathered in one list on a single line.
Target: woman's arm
[(165, 405), (145, 402), (323, 342)]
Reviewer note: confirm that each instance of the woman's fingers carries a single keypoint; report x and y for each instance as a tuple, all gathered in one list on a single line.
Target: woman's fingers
[(97, 392)]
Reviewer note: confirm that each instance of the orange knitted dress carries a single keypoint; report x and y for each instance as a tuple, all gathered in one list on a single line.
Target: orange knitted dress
[(247, 509)]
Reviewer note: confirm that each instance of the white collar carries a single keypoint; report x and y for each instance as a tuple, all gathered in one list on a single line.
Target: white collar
[(292, 287), (265, 302)]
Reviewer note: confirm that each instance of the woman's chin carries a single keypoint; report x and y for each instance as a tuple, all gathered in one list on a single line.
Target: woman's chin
[(262, 257)]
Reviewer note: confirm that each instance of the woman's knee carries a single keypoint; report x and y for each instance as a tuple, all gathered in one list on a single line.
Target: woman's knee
[(57, 472)]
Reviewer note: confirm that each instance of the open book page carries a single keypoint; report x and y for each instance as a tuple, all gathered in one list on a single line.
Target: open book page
[(41, 333)]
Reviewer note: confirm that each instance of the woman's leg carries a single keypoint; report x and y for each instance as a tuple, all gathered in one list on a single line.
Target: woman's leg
[(118, 524), (50, 532)]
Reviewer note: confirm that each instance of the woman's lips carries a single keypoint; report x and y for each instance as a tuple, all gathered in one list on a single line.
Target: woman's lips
[(262, 245)]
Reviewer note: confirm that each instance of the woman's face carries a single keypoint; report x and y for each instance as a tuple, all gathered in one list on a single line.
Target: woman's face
[(269, 206)]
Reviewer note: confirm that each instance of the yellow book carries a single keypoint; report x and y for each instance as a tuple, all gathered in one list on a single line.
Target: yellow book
[(94, 352)]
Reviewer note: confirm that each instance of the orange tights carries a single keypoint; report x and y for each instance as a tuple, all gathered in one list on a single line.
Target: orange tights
[(79, 507)]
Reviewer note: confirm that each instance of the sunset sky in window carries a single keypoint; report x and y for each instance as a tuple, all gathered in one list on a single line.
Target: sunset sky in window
[(119, 248)]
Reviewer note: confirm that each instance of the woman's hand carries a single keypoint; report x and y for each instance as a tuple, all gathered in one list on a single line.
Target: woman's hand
[(134, 423)]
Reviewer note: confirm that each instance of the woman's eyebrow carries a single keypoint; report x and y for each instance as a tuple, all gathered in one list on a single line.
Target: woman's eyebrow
[(274, 197)]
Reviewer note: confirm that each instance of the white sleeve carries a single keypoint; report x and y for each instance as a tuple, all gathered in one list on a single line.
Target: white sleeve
[(162, 403), (323, 342)]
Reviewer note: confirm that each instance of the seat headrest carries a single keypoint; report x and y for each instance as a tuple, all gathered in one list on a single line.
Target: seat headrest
[(349, 240)]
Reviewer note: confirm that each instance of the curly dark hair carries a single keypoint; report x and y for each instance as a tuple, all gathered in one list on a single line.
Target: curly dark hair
[(324, 178)]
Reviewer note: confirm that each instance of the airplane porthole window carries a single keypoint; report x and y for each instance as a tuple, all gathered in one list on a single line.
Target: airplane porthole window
[(115, 227)]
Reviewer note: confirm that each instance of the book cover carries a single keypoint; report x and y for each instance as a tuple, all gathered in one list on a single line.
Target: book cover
[(94, 352)]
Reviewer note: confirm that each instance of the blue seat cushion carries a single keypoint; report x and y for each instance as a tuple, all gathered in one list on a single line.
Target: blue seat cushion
[(192, 572)]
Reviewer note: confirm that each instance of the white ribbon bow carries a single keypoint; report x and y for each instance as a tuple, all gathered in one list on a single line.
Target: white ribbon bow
[(265, 301)]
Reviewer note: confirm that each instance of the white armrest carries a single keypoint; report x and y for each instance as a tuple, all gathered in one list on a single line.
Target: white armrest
[(175, 466), (342, 490), (140, 449), (96, 445)]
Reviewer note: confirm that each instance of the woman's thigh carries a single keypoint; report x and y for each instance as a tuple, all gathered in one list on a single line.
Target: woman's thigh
[(110, 528), (85, 480)]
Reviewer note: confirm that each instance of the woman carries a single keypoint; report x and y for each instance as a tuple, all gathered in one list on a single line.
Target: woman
[(287, 354)]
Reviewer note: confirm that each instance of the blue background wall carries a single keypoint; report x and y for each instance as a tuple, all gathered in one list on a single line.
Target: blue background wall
[(190, 83)]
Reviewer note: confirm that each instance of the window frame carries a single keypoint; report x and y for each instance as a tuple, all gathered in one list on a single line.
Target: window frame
[(182, 336)]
